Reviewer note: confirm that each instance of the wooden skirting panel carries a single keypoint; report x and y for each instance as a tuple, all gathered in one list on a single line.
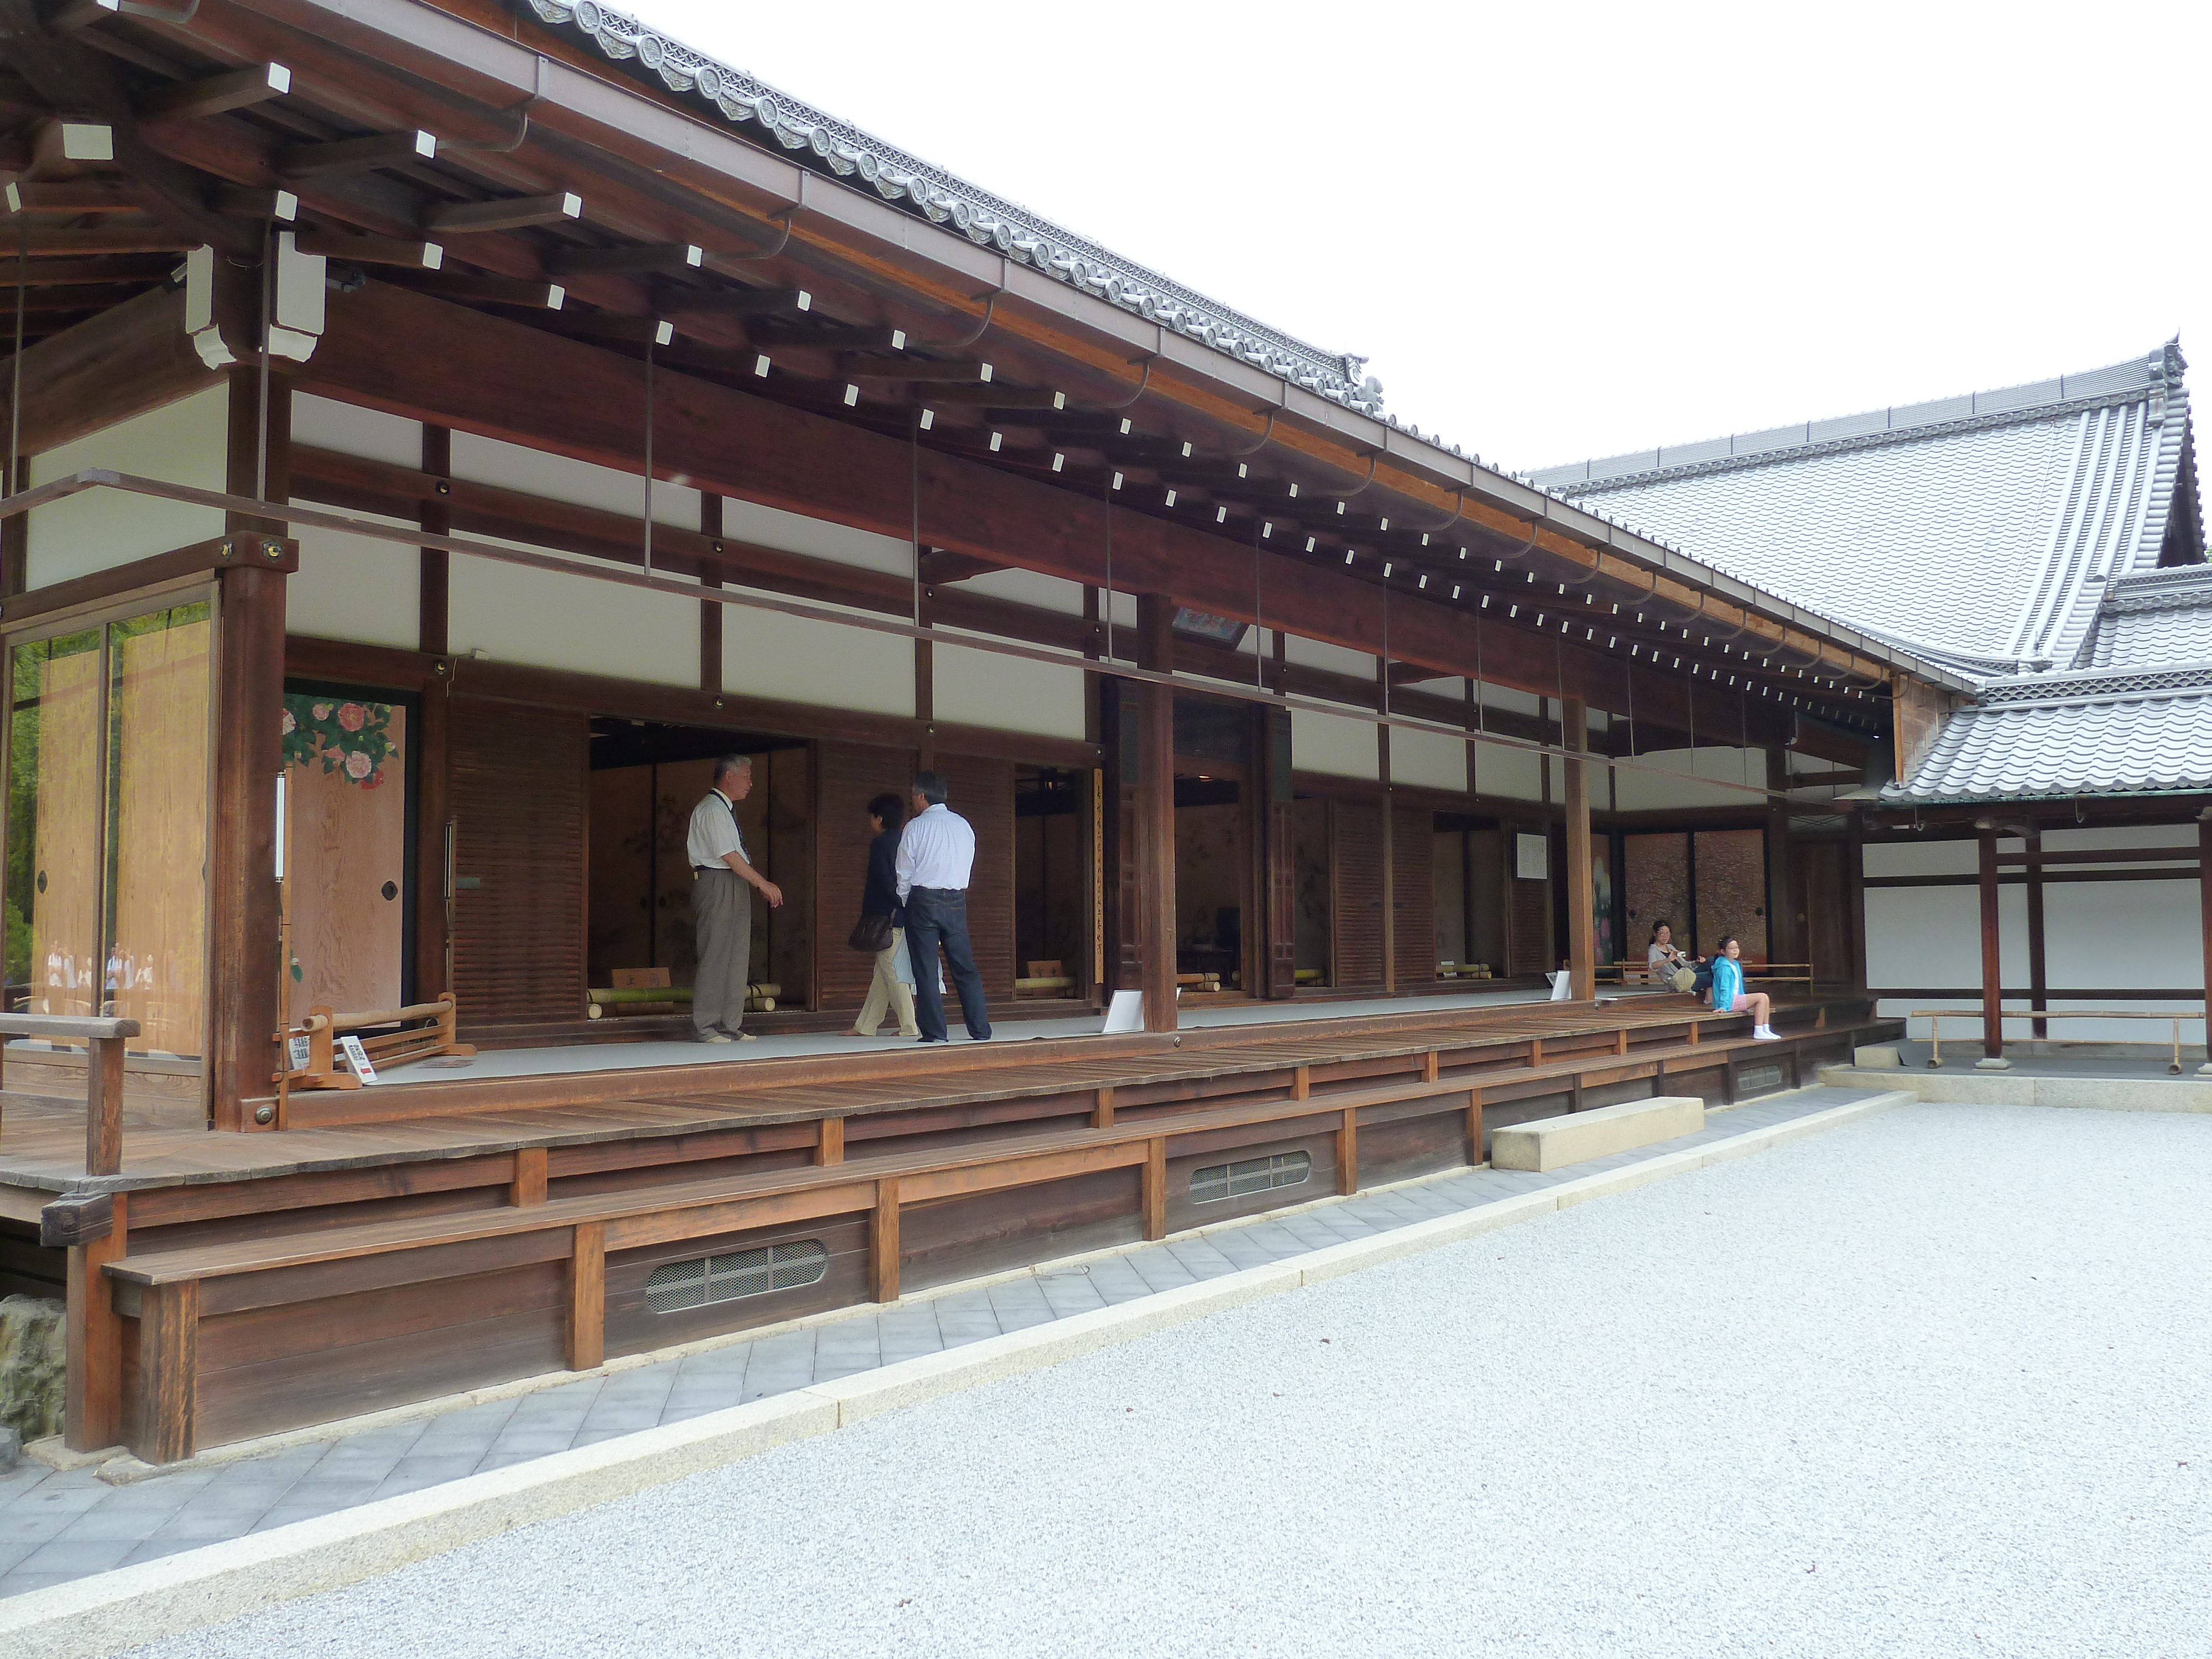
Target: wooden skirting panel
[(362, 1289)]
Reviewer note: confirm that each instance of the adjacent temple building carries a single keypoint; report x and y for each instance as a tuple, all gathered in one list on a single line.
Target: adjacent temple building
[(441, 427)]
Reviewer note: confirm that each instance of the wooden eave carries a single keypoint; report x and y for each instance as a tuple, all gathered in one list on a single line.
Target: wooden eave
[(653, 172)]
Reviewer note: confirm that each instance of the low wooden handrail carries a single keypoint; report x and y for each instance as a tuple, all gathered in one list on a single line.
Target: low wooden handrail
[(1936, 1017), (104, 1039)]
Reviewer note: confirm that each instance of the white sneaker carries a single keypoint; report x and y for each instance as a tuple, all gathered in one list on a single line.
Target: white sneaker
[(1765, 1033)]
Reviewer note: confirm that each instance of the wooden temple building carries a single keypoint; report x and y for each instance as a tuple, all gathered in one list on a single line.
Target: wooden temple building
[(437, 427)]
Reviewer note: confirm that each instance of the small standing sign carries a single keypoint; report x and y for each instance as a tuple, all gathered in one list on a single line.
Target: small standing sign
[(357, 1057)]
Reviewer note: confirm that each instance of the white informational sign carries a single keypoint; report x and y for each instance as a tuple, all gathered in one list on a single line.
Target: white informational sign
[(1563, 986), (1532, 857), (1125, 1014), (301, 1051), (357, 1058)]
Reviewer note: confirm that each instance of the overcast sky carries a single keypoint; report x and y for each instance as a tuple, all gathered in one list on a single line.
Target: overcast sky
[(1562, 230)]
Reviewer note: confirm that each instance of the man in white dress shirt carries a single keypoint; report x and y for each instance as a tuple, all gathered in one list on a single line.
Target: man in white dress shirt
[(723, 880), (936, 853)]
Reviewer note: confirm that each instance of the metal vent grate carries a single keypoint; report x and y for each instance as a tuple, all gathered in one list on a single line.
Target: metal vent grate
[(676, 1285), (1254, 1174), (1752, 1078)]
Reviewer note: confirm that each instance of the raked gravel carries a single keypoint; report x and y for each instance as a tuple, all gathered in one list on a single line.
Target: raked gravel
[(1933, 1384)]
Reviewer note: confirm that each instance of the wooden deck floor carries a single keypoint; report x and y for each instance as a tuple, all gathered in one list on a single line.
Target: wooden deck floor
[(41, 1138)]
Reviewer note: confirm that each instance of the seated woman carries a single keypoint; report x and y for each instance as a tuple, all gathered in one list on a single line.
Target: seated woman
[(1729, 996), (1663, 958)]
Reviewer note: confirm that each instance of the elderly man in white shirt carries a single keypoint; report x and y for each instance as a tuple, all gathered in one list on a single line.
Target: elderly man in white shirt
[(936, 853), (723, 880)]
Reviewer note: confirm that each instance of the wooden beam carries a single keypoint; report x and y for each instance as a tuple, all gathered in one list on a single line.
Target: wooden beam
[(827, 336), (655, 259), (506, 212), (249, 202), (41, 243), (63, 273), (735, 301), (1156, 837), (189, 100), (587, 1297), (75, 195), (498, 290), (378, 149), (93, 1393), (1582, 922), (372, 250)]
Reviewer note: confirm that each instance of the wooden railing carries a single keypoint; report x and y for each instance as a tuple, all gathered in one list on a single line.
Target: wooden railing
[(1936, 1017), (1779, 973), (103, 1040)]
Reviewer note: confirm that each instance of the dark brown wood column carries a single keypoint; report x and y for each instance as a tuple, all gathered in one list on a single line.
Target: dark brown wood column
[(2039, 979), (1390, 828), (243, 1003), (1279, 868), (1785, 927), (1992, 972), (2204, 920), (432, 972), (1582, 921), (1156, 851)]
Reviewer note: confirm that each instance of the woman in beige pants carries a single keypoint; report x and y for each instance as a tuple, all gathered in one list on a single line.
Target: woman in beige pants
[(892, 987)]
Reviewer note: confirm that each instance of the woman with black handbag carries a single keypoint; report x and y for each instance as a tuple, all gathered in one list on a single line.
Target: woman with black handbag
[(878, 932)]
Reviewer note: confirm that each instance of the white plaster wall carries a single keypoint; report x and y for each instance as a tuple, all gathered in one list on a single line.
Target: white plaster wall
[(1507, 773), (184, 442), (1007, 694), (1429, 758), (1503, 696), (2126, 934), (1922, 857), (1335, 743), (552, 620), (768, 654), (349, 588), (1671, 780), (1030, 587), (557, 479), (793, 532), (350, 429), (1336, 659)]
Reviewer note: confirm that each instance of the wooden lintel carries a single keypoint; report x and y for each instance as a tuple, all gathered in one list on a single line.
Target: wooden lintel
[(238, 551)]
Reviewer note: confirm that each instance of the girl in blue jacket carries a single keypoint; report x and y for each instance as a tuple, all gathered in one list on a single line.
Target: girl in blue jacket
[(1729, 994)]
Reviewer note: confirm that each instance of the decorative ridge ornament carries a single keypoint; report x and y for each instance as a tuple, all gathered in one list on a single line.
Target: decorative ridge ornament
[(824, 142)]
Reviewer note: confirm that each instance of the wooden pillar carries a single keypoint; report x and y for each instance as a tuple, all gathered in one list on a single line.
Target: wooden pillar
[(2204, 926), (1582, 921), (243, 922), (16, 534), (432, 976), (925, 684), (710, 611), (1785, 928), (434, 608), (168, 1371), (1992, 970), (1389, 829), (1156, 875), (1280, 870), (587, 1297), (1855, 923), (2039, 983), (93, 1392)]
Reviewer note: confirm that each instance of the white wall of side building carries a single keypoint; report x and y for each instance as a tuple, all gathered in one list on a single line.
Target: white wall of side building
[(2141, 934)]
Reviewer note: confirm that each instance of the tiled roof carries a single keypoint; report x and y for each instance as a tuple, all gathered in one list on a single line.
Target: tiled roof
[(2161, 617), (1981, 528), (2106, 732)]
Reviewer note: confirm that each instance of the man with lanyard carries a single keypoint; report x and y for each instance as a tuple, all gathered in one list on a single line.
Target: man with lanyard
[(722, 904), (936, 856)]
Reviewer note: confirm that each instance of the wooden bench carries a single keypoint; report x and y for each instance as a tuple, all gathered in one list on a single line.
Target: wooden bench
[(171, 1291)]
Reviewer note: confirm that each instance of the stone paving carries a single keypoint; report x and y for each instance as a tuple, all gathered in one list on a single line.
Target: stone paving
[(59, 1525)]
